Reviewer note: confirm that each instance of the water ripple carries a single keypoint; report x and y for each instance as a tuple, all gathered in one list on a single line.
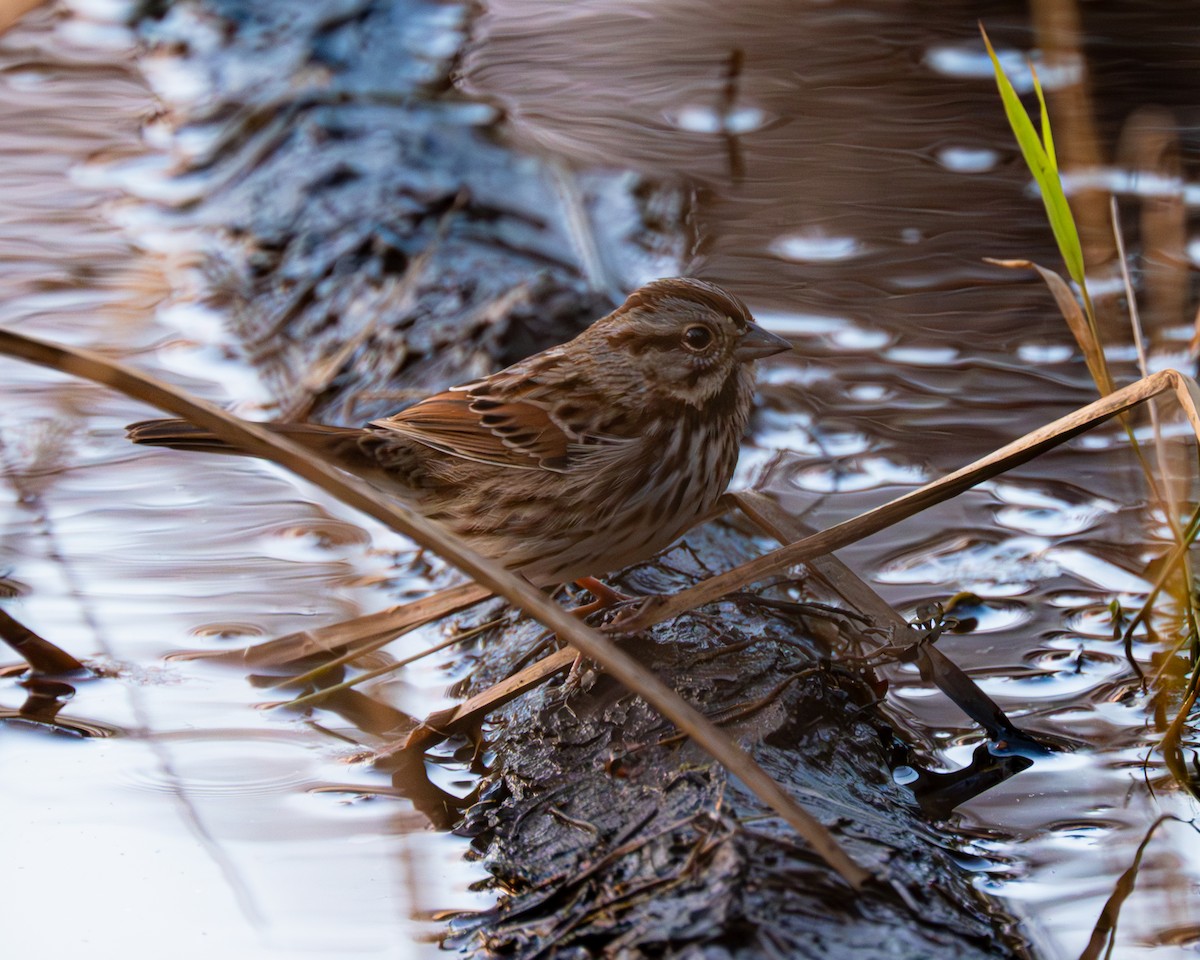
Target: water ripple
[(229, 765), (1048, 509), (855, 473)]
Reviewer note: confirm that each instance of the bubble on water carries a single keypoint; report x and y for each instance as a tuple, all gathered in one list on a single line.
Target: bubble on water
[(967, 159), (813, 245), (701, 119), (1045, 352)]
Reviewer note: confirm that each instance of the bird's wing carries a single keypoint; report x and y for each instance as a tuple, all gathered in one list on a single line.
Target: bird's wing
[(508, 433), (491, 422)]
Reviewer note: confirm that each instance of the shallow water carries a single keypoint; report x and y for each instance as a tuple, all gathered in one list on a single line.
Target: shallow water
[(196, 823), (851, 177), (851, 170)]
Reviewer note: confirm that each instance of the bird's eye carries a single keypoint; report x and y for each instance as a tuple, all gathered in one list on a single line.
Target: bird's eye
[(697, 338)]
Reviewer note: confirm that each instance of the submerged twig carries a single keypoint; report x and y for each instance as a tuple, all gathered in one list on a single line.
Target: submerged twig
[(42, 655)]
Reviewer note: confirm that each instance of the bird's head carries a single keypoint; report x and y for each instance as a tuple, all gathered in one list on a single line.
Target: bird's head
[(689, 339)]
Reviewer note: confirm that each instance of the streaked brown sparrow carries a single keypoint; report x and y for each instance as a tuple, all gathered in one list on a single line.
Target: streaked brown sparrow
[(579, 460)]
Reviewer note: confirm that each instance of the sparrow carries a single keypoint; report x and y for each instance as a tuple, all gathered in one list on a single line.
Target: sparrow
[(577, 461)]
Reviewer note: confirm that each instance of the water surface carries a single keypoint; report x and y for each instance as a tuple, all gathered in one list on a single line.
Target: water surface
[(849, 169)]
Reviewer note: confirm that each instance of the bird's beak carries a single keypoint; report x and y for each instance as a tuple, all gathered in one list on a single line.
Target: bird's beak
[(757, 343)]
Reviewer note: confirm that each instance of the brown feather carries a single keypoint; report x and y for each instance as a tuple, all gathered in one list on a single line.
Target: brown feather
[(343, 445), (506, 433)]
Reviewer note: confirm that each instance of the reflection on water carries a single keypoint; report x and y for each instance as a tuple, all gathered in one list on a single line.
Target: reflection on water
[(187, 820), (851, 171), (44, 702)]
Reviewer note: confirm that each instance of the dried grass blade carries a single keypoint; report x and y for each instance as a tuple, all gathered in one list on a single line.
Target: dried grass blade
[(318, 695), (1170, 495), (369, 629), (774, 521), (1104, 934), (1171, 747), (934, 665), (1077, 321), (357, 494), (954, 682), (437, 726)]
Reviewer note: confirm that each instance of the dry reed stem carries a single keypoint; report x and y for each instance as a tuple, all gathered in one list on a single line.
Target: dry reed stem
[(444, 723), (769, 517)]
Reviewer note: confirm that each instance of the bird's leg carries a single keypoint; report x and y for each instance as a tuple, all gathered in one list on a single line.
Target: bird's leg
[(605, 597)]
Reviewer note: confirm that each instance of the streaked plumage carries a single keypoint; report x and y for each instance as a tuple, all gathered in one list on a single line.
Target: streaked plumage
[(580, 459)]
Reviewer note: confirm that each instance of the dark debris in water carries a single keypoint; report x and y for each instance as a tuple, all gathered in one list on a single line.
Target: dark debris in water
[(41, 655)]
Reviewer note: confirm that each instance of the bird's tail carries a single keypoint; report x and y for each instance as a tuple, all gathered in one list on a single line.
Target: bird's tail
[(178, 434), (340, 444)]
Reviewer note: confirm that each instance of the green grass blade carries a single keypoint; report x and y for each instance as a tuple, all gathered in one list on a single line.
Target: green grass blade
[(1039, 157), (1047, 136)]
